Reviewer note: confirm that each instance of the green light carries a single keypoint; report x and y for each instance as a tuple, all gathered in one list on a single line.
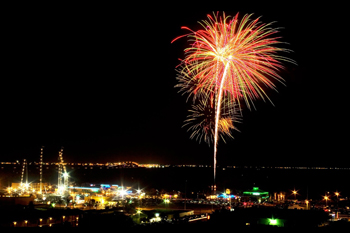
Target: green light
[(256, 193), (273, 221)]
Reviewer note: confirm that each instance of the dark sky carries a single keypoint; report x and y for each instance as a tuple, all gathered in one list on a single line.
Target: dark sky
[(100, 80)]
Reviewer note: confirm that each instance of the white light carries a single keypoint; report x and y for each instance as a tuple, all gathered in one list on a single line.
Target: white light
[(122, 192)]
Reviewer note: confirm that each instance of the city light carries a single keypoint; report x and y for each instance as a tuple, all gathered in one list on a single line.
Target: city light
[(337, 194), (273, 221), (326, 198), (295, 193), (109, 197), (122, 193)]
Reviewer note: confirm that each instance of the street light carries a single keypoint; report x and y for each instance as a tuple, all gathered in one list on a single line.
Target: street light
[(295, 192), (326, 198), (166, 201), (337, 194), (139, 212)]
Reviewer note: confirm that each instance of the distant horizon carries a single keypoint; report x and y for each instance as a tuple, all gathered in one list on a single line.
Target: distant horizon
[(179, 165)]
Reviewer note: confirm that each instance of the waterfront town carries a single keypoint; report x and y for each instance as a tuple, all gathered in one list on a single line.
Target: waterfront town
[(67, 203)]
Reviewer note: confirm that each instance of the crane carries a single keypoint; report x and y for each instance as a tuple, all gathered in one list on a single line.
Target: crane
[(41, 169), (62, 186), (24, 186)]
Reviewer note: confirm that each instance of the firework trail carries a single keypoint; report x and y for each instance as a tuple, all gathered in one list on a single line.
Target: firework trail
[(231, 58)]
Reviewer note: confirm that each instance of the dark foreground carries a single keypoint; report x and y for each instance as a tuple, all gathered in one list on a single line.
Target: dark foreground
[(240, 218)]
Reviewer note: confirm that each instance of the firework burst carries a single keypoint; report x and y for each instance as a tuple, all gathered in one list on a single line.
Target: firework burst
[(236, 57), (201, 122), (233, 59)]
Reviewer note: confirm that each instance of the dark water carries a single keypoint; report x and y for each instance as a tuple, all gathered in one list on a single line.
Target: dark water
[(197, 180)]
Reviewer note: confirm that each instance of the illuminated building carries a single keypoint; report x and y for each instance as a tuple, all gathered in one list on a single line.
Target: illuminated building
[(256, 194), (279, 196)]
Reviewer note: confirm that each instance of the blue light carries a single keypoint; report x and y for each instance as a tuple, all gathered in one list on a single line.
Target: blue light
[(226, 196)]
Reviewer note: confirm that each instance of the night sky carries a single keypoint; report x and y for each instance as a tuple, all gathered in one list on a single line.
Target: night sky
[(100, 80)]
